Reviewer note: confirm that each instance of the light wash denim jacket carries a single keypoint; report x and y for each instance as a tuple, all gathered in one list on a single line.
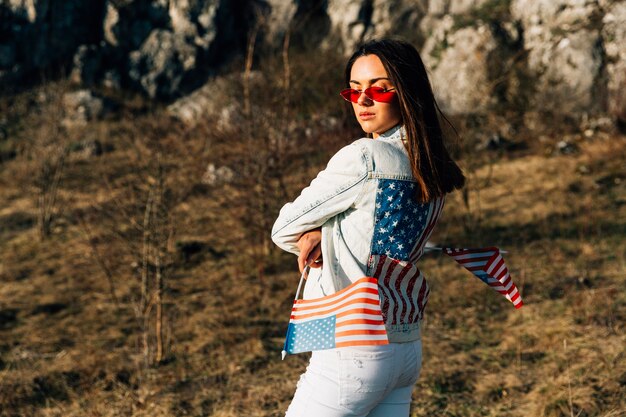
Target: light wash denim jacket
[(371, 226)]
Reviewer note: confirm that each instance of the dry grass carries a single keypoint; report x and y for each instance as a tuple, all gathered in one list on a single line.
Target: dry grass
[(66, 349)]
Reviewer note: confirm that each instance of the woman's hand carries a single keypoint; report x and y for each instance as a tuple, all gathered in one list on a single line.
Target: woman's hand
[(310, 249)]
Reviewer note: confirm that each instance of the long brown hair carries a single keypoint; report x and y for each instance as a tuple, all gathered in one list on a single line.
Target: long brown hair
[(433, 168)]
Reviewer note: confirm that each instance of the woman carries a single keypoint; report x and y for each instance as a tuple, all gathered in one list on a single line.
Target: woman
[(370, 213)]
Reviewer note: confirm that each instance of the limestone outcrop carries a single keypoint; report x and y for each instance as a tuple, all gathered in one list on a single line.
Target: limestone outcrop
[(559, 56)]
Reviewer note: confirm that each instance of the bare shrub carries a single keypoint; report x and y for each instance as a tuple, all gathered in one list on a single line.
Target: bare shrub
[(138, 223), (47, 152), (47, 179)]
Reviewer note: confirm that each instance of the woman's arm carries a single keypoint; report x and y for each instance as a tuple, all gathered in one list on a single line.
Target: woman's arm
[(334, 190)]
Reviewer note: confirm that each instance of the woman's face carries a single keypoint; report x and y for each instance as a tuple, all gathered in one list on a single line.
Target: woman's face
[(374, 117)]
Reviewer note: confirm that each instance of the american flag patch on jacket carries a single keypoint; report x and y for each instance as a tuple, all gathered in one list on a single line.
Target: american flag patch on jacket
[(403, 289), (350, 317)]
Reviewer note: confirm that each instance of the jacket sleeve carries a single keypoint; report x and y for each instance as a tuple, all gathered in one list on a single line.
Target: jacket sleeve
[(333, 191)]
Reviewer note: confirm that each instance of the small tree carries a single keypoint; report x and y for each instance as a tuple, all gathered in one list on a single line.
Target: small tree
[(155, 262), (48, 153), (143, 228)]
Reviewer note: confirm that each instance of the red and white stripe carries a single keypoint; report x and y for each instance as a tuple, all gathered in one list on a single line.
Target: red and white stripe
[(501, 281), (357, 310), (402, 288), (488, 264), (434, 212)]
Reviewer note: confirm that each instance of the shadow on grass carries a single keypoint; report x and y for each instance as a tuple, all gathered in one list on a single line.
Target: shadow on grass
[(555, 226)]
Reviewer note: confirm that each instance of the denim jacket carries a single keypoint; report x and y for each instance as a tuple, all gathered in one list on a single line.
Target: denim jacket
[(371, 226)]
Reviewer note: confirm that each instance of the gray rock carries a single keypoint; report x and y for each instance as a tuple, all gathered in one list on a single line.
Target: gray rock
[(442, 7), (566, 148), (214, 100), (350, 19), (438, 8), (127, 24), (217, 175), (464, 6), (161, 63), (27, 9), (569, 77), (171, 46), (80, 107), (194, 20), (37, 34), (86, 149), (388, 16), (575, 62), (279, 18), (219, 100), (564, 52), (112, 79), (595, 124), (87, 64), (229, 116), (459, 63), (353, 21), (111, 20), (614, 37)]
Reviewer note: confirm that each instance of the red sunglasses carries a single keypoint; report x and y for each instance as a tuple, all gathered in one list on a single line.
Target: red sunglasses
[(374, 93)]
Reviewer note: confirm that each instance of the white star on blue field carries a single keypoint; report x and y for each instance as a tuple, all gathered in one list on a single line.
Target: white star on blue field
[(311, 335), (399, 219)]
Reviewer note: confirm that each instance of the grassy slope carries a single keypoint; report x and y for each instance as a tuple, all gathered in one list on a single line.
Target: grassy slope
[(66, 350)]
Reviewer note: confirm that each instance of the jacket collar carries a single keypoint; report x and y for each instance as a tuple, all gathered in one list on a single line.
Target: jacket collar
[(396, 132)]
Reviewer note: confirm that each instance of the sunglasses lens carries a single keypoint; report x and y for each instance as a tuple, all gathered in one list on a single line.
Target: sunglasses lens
[(374, 93), (350, 94), (379, 94)]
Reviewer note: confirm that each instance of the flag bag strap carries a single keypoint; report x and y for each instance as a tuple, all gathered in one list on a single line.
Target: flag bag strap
[(305, 274)]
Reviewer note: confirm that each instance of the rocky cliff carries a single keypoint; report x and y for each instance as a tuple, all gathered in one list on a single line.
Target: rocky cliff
[(560, 56)]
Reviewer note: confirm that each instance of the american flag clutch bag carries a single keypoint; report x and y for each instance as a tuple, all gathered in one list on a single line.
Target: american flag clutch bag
[(349, 317)]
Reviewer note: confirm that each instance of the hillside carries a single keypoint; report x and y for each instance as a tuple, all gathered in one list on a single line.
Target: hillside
[(129, 200)]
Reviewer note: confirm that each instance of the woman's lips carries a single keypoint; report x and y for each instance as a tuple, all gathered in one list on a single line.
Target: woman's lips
[(366, 116)]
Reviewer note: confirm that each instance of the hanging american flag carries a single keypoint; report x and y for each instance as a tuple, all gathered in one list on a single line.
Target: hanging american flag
[(350, 317), (488, 265)]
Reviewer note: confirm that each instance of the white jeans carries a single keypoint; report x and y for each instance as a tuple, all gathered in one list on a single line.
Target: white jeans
[(372, 381)]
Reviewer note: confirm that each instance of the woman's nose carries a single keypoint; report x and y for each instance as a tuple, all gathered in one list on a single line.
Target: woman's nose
[(364, 100)]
